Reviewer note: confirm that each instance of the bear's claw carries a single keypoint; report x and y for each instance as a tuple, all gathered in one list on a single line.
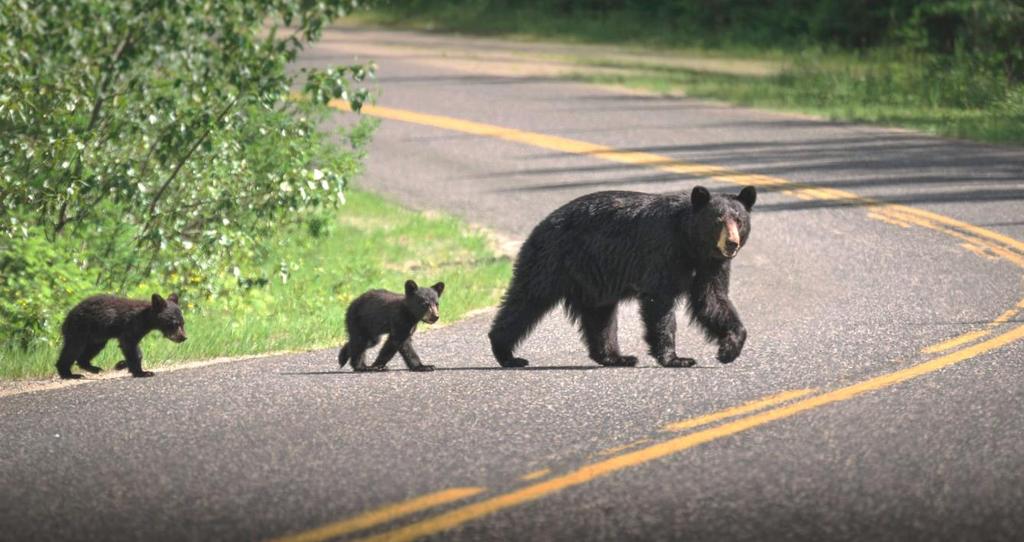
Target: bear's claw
[(513, 363)]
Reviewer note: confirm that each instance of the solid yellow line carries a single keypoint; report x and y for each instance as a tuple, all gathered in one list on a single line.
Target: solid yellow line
[(665, 163), (973, 335), (469, 512), (535, 474), (626, 446), (745, 408), (382, 515), (956, 341)]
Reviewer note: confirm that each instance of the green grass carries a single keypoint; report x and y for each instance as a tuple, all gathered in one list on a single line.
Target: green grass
[(371, 244), (946, 96), (877, 92)]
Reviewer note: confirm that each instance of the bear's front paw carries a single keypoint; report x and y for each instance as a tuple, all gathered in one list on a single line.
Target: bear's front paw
[(676, 361), (370, 369), (513, 363), (92, 369), (143, 374), (422, 368), (70, 376), (730, 345)]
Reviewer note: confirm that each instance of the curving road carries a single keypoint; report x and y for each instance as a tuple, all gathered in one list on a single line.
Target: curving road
[(880, 395)]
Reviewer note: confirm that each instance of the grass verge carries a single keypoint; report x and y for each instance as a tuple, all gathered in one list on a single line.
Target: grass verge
[(370, 243), (941, 95)]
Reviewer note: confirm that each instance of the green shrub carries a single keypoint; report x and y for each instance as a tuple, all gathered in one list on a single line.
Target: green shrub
[(153, 145)]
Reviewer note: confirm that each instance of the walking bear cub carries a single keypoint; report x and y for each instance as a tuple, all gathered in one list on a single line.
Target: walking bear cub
[(602, 248), (378, 312), (97, 319)]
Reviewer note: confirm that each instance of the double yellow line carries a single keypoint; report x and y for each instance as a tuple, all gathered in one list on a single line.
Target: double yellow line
[(744, 417)]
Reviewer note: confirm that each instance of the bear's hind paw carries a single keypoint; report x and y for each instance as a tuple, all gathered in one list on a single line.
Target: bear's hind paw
[(676, 361), (618, 361), (513, 363), (422, 368)]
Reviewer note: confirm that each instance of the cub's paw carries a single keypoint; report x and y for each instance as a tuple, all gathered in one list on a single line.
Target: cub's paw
[(370, 369), (513, 363), (422, 368), (730, 345), (143, 374), (70, 376), (92, 369), (676, 361), (618, 361), (121, 365)]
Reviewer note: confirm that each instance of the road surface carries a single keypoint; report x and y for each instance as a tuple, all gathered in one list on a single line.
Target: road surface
[(880, 395)]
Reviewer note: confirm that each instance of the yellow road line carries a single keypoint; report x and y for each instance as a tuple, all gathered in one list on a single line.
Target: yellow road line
[(535, 474), (974, 335), (469, 512), (382, 515), (745, 408), (1003, 246), (616, 449), (1013, 250)]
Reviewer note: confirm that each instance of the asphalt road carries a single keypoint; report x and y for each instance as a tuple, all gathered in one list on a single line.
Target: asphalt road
[(884, 430)]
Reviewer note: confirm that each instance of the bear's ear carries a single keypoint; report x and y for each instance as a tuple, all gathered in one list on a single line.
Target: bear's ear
[(411, 287), (699, 197), (173, 298), (439, 288), (158, 303), (747, 197)]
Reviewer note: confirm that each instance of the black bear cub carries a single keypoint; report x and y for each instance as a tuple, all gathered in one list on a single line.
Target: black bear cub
[(97, 319), (602, 248), (378, 312)]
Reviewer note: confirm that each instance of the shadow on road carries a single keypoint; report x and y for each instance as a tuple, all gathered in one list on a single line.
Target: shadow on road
[(497, 368)]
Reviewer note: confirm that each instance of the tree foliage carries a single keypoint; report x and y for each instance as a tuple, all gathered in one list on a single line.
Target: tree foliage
[(153, 143)]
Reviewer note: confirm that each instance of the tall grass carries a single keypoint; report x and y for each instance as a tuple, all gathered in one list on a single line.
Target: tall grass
[(370, 243)]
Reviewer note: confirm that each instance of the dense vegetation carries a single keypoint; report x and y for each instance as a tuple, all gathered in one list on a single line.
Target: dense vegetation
[(954, 67), (152, 146)]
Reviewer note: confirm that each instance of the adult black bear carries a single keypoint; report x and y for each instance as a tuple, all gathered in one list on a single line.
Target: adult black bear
[(378, 312), (602, 248), (97, 319)]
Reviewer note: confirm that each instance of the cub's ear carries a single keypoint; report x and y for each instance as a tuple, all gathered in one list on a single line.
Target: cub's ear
[(158, 302), (439, 288), (747, 197), (411, 287), (173, 298), (699, 197)]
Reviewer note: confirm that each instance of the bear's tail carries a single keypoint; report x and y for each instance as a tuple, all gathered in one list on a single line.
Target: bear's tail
[(343, 355)]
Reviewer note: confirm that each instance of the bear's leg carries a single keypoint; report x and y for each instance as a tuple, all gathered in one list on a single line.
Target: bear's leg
[(357, 346), (515, 320), (343, 355), (68, 353), (411, 358), (88, 353), (388, 351), (710, 307), (659, 318), (601, 331), (133, 357)]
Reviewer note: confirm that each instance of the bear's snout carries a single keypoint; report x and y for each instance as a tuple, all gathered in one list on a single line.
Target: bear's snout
[(729, 239)]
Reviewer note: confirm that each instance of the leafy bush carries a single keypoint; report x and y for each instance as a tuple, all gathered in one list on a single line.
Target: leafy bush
[(153, 145)]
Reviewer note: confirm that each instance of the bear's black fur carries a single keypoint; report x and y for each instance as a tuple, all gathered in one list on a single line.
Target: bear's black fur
[(97, 319), (378, 312), (602, 248)]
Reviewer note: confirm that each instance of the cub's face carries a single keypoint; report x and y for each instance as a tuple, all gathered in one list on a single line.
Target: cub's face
[(169, 320), (423, 303), (722, 222)]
